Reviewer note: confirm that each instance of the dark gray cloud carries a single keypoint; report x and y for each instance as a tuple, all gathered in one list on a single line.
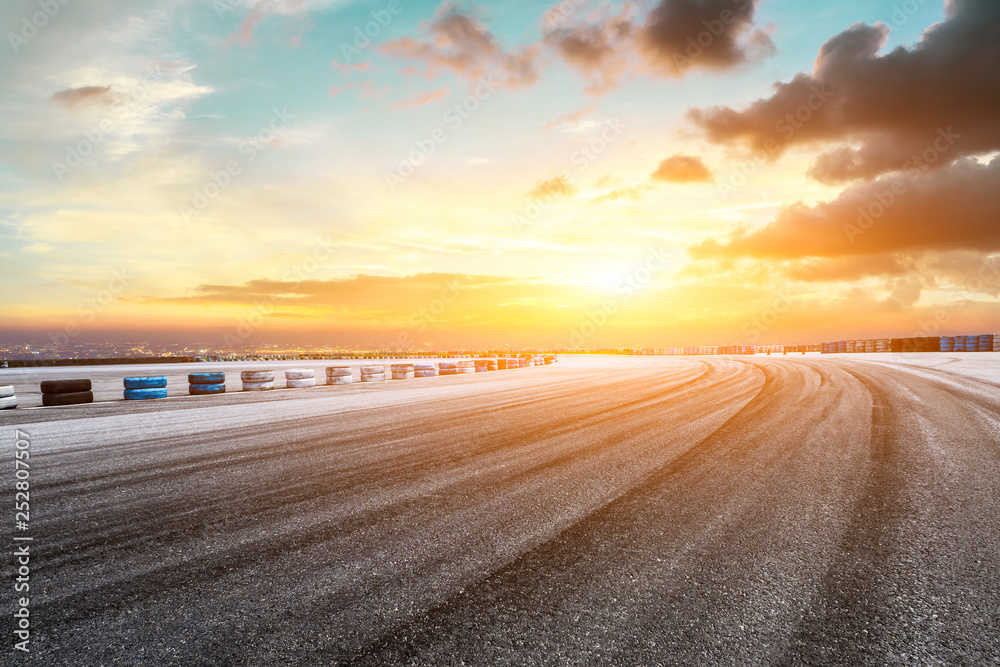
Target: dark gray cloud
[(880, 112)]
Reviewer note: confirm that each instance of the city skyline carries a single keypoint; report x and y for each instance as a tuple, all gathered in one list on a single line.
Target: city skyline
[(436, 175)]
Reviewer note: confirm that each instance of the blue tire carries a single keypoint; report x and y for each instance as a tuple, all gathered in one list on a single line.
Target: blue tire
[(151, 382), (144, 393), (206, 378), (206, 389)]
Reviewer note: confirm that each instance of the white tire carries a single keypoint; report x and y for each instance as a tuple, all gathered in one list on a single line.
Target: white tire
[(338, 371), (299, 373), (466, 370), (402, 368), (425, 374), (372, 377), (300, 383), (6, 390), (347, 379), (258, 386), (257, 376), (8, 402), (403, 376), (469, 363), (372, 370), (423, 367)]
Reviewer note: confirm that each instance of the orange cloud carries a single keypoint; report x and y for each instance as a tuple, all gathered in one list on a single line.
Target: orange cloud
[(682, 169), (627, 192), (677, 36), (421, 98), (881, 111), (569, 118), (86, 95), (460, 43), (949, 209), (557, 186)]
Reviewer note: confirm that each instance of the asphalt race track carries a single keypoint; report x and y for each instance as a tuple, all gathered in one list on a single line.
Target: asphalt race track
[(759, 510)]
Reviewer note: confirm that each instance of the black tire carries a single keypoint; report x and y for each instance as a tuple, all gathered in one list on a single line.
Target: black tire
[(65, 387), (68, 398)]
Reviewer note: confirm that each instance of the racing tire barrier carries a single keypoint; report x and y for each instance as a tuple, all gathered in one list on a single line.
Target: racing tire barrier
[(68, 398), (6, 390), (199, 389), (257, 376), (424, 370), (372, 373), (65, 386), (300, 374), (258, 386), (448, 368), (144, 393), (402, 371), (465, 366), (482, 366), (339, 375), (66, 392), (206, 378), (8, 402), (300, 383), (205, 384), (149, 382)]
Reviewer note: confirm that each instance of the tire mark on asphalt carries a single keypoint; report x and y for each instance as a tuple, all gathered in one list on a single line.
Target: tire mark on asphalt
[(560, 553), (849, 621), (87, 603)]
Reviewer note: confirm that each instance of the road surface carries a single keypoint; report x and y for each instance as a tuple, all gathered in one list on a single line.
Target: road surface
[(603, 511)]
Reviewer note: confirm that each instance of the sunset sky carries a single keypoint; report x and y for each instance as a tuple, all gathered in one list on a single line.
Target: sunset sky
[(681, 172)]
